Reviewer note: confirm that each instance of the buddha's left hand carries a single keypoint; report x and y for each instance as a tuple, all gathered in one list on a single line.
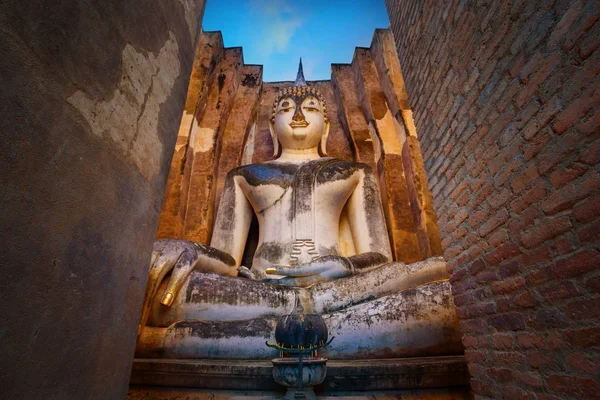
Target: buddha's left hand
[(322, 269)]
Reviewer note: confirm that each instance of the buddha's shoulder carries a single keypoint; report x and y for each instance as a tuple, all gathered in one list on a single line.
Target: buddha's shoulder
[(337, 169), (264, 173)]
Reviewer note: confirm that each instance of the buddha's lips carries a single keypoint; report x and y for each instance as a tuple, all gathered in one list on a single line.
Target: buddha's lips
[(300, 124)]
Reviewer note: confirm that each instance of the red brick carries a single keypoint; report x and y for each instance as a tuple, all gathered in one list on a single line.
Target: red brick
[(547, 397), (565, 197), (576, 264), (464, 198), (535, 257), (458, 276), (477, 250), (477, 218), (590, 233), (487, 276), (565, 23), (577, 108), (536, 79), (583, 338), (474, 356), (469, 341), (508, 322), (516, 393), (498, 238), (582, 362), (563, 175), (499, 374), (545, 229), (532, 149), (459, 233), (547, 318), (460, 216), (498, 199), (541, 359), (505, 252), (591, 156), (538, 275), (509, 268), (503, 341), (536, 193), (560, 290), (588, 210), (508, 286), (482, 195), (525, 300), (593, 284), (522, 181), (527, 340), (502, 177), (578, 30), (482, 388), (476, 184), (584, 309), (476, 267), (495, 220), (590, 42), (511, 359), (573, 385), (589, 125), (532, 379)]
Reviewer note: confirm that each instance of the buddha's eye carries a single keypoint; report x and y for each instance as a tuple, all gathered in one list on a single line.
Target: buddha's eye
[(309, 108), (284, 110)]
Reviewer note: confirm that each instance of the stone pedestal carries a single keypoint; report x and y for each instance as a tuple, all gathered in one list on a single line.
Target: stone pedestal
[(409, 378)]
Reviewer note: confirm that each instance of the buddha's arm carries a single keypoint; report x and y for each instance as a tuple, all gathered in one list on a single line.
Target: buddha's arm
[(181, 257), (233, 219), (227, 244), (367, 222)]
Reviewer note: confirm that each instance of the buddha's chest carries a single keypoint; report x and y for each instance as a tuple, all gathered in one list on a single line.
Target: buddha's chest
[(332, 196), (284, 192)]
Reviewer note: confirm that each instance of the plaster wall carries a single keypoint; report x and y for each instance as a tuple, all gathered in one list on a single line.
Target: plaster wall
[(91, 100)]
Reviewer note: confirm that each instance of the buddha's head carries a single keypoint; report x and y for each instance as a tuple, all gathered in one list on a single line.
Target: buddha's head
[(299, 118)]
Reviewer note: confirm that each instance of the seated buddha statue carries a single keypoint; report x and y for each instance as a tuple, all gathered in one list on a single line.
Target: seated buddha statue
[(322, 249)]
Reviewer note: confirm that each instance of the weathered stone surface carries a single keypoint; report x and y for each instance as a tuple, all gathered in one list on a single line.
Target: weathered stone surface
[(198, 193), (386, 137), (92, 94), (240, 121), (209, 52), (352, 118)]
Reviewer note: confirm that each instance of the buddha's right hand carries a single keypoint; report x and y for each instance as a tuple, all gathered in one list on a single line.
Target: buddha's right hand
[(181, 257)]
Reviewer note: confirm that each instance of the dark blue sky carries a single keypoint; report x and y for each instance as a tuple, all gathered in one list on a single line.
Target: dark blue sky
[(276, 33)]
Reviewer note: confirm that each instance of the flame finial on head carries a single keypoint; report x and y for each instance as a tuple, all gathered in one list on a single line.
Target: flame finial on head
[(300, 81)]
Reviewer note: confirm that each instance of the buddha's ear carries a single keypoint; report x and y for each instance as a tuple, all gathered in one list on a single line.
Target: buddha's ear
[(274, 138), (323, 144)]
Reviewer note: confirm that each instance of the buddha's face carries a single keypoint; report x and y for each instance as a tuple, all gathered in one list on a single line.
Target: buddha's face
[(299, 122)]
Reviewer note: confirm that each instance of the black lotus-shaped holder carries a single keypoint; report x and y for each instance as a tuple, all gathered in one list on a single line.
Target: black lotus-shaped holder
[(300, 335)]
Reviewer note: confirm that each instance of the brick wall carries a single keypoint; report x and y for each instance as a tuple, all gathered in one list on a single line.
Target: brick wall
[(506, 100)]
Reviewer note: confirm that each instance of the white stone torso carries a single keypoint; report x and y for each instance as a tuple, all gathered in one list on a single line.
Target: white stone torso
[(281, 224)]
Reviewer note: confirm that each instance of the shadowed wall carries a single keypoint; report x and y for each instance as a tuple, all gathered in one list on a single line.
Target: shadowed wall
[(92, 95)]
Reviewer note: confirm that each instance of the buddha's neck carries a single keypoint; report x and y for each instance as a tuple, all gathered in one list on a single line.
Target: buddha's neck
[(299, 155)]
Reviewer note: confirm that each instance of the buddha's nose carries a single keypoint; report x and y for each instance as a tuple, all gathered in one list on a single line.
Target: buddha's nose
[(298, 116)]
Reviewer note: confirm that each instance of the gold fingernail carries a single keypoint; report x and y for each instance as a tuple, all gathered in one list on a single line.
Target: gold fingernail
[(167, 299), (271, 271)]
